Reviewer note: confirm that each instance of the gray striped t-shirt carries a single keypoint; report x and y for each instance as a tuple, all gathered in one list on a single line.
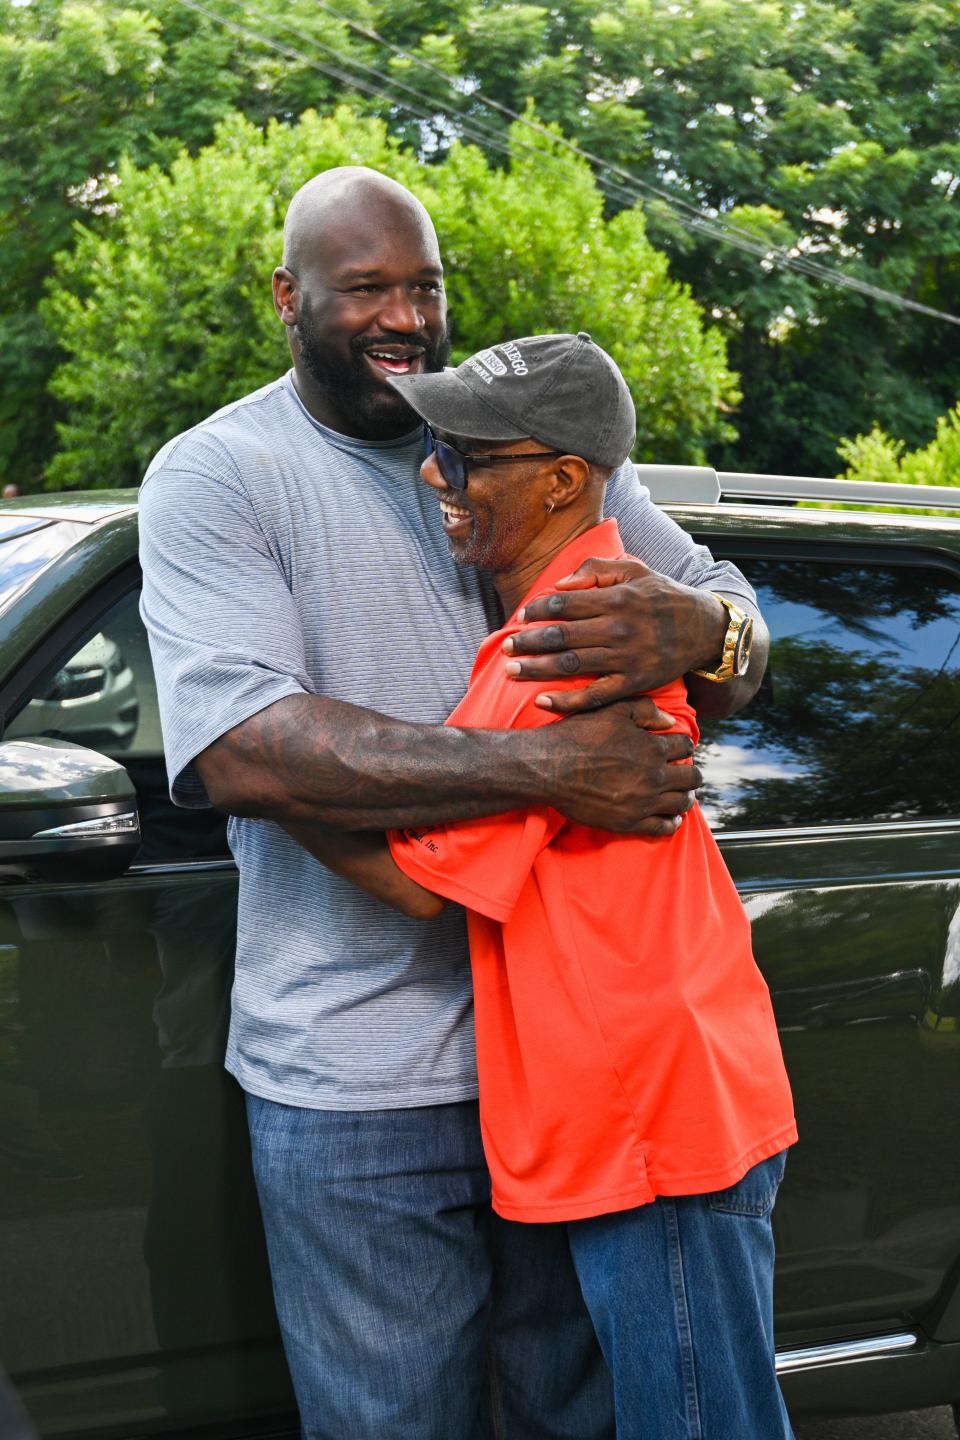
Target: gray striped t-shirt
[(281, 557)]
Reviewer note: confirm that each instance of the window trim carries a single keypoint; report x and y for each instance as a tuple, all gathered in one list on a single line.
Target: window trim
[(54, 649), (737, 549), (867, 829), (60, 641)]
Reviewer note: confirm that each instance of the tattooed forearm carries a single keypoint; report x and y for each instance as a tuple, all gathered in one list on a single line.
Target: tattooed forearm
[(307, 760)]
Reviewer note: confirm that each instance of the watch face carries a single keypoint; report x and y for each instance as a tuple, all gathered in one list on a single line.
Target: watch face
[(741, 654)]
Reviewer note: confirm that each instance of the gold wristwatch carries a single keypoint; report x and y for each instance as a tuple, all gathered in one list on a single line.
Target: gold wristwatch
[(736, 644)]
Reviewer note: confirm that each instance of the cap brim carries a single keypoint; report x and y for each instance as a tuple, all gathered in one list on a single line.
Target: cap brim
[(446, 403)]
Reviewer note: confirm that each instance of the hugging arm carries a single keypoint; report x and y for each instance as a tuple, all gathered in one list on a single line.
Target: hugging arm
[(243, 733), (482, 864), (635, 629), (364, 858), (639, 625), (306, 760)]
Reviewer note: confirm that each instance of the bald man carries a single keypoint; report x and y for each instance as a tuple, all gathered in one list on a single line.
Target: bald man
[(310, 633)]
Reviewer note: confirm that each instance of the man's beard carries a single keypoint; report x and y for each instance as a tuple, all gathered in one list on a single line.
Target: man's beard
[(370, 408)]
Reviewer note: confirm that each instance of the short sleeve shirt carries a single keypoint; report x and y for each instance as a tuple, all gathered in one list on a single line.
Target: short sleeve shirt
[(626, 1043), (281, 558)]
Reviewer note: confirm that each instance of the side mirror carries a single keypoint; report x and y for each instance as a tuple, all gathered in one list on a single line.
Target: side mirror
[(66, 813)]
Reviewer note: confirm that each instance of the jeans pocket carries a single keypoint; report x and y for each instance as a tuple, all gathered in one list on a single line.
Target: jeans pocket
[(756, 1193)]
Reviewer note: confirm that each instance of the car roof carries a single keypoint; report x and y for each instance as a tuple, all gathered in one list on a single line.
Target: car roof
[(702, 485), (88, 508)]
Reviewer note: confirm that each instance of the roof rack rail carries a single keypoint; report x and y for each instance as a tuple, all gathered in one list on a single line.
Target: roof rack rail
[(702, 485)]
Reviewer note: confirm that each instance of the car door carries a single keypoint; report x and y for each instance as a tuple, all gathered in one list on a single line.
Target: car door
[(135, 1286), (836, 800)]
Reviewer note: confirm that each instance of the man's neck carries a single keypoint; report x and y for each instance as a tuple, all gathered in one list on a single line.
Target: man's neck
[(515, 581), (316, 401)]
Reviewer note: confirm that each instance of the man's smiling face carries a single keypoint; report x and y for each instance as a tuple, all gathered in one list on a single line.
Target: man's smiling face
[(501, 514), (371, 304)]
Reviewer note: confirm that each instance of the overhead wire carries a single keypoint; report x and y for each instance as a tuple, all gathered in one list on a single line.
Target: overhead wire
[(468, 125), (715, 226), (686, 214), (699, 221), (482, 136)]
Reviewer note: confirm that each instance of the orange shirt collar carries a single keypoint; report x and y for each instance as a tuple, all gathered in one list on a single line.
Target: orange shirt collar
[(600, 542)]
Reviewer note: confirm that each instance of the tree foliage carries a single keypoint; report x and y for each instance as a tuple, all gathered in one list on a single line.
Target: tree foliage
[(73, 87), (878, 456), (829, 130), (167, 314)]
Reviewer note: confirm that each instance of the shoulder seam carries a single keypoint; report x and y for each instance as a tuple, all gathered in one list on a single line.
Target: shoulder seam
[(205, 429), (196, 472)]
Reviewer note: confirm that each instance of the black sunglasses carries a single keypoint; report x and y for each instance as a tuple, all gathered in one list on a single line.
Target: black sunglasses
[(455, 466)]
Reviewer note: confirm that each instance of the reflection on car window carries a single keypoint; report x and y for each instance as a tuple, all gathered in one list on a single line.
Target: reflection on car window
[(92, 700), (859, 706), (105, 697), (26, 545)]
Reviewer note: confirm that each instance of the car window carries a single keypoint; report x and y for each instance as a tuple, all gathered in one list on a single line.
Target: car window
[(27, 544), (860, 706), (104, 696)]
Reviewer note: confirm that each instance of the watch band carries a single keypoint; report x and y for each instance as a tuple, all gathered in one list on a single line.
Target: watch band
[(736, 644)]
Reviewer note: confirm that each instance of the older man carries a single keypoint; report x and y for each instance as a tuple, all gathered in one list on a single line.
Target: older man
[(310, 633)]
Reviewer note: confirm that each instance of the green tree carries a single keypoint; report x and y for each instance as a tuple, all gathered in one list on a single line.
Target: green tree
[(72, 87), (166, 313), (829, 130), (83, 84), (877, 456)]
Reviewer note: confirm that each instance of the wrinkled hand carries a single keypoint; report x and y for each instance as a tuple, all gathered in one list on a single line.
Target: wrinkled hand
[(614, 774), (621, 621)]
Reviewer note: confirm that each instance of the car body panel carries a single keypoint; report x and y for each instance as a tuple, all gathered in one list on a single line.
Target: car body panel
[(136, 1289), (138, 1301), (93, 555)]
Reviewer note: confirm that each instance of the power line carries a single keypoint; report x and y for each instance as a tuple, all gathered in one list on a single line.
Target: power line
[(473, 131), (715, 227), (695, 220), (702, 223), (471, 128)]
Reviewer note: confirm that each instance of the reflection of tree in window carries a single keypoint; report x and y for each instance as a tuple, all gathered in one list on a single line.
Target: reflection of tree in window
[(104, 697), (861, 700)]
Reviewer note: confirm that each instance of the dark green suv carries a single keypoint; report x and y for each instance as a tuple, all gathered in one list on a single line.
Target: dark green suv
[(135, 1297)]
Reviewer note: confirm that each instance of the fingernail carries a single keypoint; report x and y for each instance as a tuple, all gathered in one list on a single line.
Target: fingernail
[(544, 702), (520, 614), (507, 646), (512, 667)]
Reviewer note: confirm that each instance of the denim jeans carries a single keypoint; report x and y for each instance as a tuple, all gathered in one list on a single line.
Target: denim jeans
[(681, 1294), (408, 1310)]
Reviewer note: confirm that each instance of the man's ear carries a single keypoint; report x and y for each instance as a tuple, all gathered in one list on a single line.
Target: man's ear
[(570, 474), (286, 295)]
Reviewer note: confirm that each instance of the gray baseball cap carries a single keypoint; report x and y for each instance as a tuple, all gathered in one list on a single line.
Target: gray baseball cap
[(560, 389)]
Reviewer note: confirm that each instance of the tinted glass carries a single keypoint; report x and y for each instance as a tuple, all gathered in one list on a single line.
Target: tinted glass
[(26, 545), (104, 696), (858, 717)]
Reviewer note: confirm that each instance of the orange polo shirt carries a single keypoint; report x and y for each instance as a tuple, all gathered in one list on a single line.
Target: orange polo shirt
[(626, 1044)]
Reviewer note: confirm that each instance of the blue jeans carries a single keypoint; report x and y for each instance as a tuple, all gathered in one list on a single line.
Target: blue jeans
[(681, 1294), (409, 1311)]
